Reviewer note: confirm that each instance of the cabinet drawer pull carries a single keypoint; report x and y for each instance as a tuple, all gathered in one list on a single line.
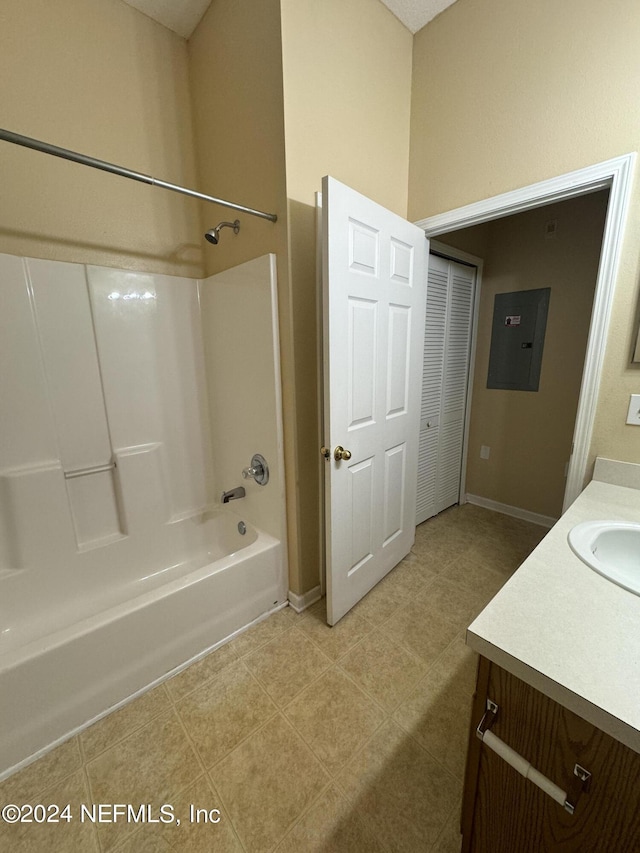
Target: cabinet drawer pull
[(487, 718), (525, 769), (568, 800)]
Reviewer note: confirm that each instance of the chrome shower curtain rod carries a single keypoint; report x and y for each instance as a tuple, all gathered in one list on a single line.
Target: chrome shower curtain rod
[(66, 154)]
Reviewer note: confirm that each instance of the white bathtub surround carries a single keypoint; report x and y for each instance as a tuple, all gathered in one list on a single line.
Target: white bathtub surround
[(564, 629), (117, 563), (98, 366), (149, 338), (242, 353)]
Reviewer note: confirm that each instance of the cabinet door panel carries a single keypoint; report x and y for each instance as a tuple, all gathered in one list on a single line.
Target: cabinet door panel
[(510, 813)]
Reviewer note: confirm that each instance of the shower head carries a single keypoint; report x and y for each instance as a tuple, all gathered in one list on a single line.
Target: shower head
[(213, 236)]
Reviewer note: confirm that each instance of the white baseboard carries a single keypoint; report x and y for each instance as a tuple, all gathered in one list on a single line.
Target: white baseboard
[(516, 512), (301, 602)]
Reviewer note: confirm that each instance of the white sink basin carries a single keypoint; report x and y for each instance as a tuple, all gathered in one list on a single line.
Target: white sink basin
[(611, 548)]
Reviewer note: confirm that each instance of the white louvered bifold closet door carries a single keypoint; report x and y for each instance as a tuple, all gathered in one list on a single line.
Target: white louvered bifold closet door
[(436, 315), (449, 313)]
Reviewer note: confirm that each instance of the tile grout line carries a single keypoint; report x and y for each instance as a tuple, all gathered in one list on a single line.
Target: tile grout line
[(201, 760), (334, 665), (435, 846), (89, 789), (342, 654), (200, 684), (173, 794), (89, 759), (435, 662), (387, 712), (333, 775), (316, 648), (431, 755), (216, 790), (331, 783), (254, 732)]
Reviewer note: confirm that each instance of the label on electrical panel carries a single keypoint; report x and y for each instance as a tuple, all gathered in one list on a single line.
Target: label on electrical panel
[(513, 320)]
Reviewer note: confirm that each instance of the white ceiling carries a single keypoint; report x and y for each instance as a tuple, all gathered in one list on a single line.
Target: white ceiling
[(183, 16), (414, 14)]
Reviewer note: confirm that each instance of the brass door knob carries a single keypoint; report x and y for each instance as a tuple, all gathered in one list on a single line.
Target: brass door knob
[(326, 452), (340, 453)]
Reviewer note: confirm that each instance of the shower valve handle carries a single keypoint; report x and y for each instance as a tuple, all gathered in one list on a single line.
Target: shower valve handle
[(258, 470)]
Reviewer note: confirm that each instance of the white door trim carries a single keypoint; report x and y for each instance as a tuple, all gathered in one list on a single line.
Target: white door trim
[(322, 557), (616, 174), (454, 254)]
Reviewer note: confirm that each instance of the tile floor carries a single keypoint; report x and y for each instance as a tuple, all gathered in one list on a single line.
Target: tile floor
[(306, 738)]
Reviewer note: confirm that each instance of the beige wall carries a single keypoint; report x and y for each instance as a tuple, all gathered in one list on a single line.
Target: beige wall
[(507, 94), (235, 68), (471, 240), (530, 433), (347, 87), (235, 71), (347, 91), (97, 77)]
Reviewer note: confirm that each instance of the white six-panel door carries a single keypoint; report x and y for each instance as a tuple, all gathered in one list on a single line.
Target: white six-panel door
[(447, 344), (374, 279)]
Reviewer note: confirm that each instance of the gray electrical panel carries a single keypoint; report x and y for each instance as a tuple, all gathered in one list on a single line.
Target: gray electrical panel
[(517, 339)]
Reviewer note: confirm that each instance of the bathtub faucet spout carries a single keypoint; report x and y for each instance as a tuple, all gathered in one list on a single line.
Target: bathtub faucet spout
[(233, 494)]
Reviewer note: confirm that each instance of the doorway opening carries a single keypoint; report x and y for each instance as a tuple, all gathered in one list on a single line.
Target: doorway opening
[(614, 176)]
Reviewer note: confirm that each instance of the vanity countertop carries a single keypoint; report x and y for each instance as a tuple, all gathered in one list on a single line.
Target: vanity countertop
[(565, 630)]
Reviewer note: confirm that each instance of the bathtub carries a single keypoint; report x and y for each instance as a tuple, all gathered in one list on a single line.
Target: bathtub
[(72, 658)]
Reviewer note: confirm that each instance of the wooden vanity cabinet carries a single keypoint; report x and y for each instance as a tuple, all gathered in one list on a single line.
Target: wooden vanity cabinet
[(505, 813)]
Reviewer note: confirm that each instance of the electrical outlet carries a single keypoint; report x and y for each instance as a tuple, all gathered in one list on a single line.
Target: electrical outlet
[(484, 452), (633, 415)]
